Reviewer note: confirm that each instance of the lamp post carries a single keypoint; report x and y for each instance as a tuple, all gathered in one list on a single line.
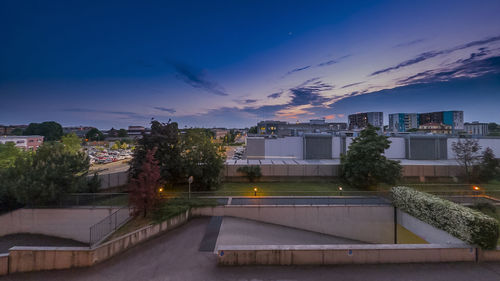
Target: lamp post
[(340, 190), (255, 191), (190, 181)]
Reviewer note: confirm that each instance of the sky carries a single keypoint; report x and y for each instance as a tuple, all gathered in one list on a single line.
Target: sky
[(233, 63)]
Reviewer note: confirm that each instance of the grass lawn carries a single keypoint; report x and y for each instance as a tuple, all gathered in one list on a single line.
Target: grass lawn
[(281, 189)]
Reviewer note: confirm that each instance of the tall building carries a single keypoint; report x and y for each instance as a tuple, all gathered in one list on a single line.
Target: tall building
[(453, 118), (361, 120), (476, 128), (402, 122)]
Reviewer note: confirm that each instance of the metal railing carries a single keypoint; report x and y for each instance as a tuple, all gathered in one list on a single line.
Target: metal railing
[(102, 229)]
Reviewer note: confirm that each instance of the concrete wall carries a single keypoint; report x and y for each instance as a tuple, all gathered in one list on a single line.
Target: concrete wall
[(255, 148), (25, 259), (4, 264), (72, 223), (284, 148), (336, 147), (342, 254), (397, 149), (113, 179), (373, 224), (426, 231), (493, 143)]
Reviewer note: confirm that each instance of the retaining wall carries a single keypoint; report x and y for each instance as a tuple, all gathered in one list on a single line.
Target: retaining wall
[(342, 254), (367, 223), (25, 259), (71, 223)]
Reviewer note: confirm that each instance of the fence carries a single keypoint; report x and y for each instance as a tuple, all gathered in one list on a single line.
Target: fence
[(94, 199), (102, 229)]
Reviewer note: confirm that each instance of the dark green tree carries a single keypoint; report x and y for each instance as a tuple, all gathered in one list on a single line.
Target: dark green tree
[(50, 130), (72, 143), (94, 135), (17, 132), (201, 160), (467, 153), (251, 172), (364, 166), (165, 137), (253, 130), (488, 167), (122, 133), (48, 175)]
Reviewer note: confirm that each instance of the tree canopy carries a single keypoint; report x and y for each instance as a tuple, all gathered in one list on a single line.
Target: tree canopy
[(72, 143), (50, 130), (94, 135), (467, 153), (364, 166)]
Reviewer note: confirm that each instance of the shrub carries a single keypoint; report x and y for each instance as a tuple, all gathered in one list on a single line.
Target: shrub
[(251, 172), (469, 225)]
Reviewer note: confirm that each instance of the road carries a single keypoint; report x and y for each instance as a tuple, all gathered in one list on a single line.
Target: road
[(175, 256)]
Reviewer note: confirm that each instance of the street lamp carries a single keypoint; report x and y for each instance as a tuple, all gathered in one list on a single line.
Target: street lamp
[(340, 190), (255, 191)]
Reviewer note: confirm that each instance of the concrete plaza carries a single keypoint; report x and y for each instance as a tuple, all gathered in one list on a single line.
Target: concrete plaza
[(175, 256)]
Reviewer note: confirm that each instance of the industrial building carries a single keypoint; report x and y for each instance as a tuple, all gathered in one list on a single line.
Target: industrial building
[(281, 129), (327, 146), (361, 120)]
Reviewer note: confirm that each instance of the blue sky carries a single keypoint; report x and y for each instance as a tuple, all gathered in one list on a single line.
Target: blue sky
[(233, 63)]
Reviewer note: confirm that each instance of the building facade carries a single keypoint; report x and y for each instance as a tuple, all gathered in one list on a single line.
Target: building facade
[(280, 128), (476, 129), (402, 122), (24, 142), (361, 120)]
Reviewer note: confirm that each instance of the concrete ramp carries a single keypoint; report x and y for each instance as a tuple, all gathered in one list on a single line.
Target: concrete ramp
[(237, 231)]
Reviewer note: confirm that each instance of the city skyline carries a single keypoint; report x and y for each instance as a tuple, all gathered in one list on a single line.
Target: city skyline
[(228, 64)]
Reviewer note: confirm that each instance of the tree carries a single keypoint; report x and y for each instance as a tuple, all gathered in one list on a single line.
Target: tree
[(364, 165), (17, 132), (51, 131), (48, 175), (122, 133), (124, 145), (251, 172), (467, 153), (201, 160), (253, 130), (116, 145), (165, 138), (8, 154), (488, 166), (72, 143), (143, 189), (94, 135)]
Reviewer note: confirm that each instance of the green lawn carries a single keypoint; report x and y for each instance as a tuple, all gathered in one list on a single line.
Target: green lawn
[(281, 189)]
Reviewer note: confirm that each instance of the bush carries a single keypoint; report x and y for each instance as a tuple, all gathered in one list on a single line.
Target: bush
[(251, 172), (469, 225)]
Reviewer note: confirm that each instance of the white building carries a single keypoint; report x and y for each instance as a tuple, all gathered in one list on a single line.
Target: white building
[(24, 142), (476, 128)]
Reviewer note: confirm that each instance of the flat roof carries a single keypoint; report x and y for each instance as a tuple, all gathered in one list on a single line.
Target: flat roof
[(270, 161)]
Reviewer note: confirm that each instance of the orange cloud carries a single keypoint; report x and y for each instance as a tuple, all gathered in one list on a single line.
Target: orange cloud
[(330, 117)]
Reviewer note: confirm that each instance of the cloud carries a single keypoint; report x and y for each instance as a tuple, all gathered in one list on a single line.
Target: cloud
[(297, 70), (334, 61), (468, 68), (169, 110), (309, 93), (197, 79), (409, 43), (247, 101), (350, 85), (275, 95), (121, 114), (428, 55)]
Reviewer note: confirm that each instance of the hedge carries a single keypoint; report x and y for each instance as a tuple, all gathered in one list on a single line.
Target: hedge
[(468, 225)]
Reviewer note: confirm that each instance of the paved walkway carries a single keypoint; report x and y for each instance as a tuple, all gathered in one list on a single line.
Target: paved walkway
[(26, 239), (175, 256)]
